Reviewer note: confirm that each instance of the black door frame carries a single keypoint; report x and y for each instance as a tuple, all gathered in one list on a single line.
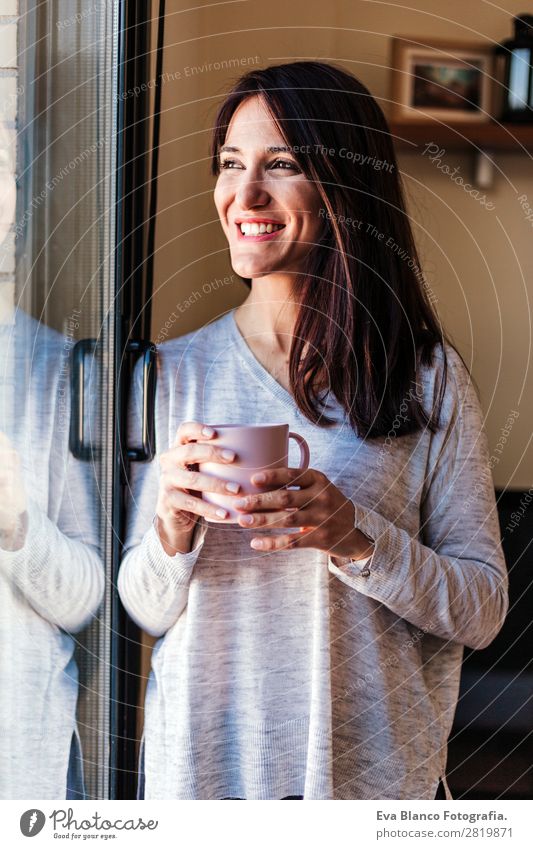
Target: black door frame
[(135, 216)]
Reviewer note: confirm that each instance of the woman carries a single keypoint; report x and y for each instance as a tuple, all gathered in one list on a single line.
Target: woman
[(315, 653)]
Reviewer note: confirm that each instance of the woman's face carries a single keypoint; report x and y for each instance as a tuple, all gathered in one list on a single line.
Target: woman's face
[(264, 189)]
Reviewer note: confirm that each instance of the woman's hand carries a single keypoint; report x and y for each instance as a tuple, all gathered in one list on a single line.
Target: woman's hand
[(12, 497), (179, 502), (324, 516)]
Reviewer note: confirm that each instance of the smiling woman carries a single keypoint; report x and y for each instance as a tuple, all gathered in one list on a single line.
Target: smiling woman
[(319, 658)]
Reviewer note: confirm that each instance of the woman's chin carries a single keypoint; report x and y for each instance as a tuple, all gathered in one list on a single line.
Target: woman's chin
[(251, 270)]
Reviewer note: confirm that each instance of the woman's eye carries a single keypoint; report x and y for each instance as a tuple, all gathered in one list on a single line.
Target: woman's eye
[(286, 165), (229, 163)]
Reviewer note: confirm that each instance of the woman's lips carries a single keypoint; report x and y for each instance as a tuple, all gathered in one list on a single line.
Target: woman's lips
[(265, 224)]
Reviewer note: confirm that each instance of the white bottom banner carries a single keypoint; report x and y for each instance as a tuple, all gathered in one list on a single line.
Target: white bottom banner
[(269, 825)]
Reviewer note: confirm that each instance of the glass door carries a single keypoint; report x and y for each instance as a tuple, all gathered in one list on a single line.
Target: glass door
[(57, 379)]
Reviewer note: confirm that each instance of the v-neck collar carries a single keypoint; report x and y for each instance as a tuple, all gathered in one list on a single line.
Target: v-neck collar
[(258, 370)]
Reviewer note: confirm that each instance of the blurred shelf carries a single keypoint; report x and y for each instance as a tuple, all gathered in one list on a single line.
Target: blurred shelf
[(509, 138)]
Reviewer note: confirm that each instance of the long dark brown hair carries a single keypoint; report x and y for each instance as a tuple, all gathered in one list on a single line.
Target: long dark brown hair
[(366, 320)]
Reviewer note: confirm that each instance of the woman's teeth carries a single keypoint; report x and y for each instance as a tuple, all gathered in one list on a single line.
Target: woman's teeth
[(255, 229)]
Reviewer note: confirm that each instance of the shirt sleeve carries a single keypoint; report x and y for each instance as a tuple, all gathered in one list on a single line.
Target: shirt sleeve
[(363, 564), (152, 585), (452, 580), (58, 568)]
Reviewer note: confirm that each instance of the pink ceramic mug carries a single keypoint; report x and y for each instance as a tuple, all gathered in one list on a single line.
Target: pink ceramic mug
[(257, 448)]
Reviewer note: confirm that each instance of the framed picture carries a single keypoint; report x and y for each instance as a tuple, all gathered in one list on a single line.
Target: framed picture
[(438, 78)]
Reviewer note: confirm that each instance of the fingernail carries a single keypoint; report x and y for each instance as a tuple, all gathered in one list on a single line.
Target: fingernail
[(257, 543), (241, 502), (208, 431), (260, 477), (227, 454), (247, 520), (222, 513), (233, 486)]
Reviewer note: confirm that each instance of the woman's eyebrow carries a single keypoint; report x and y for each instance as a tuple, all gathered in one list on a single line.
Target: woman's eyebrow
[(270, 149)]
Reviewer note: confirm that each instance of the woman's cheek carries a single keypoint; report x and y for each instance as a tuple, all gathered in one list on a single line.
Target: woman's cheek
[(219, 199)]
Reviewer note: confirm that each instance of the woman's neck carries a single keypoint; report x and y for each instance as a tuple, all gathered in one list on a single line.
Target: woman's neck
[(269, 313), (267, 319)]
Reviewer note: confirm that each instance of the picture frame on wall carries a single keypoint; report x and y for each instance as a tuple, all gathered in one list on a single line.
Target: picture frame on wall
[(440, 78)]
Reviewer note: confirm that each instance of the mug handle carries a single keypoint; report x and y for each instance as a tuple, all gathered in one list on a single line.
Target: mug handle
[(304, 450)]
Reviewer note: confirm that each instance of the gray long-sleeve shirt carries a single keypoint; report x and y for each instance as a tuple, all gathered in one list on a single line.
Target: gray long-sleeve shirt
[(291, 673)]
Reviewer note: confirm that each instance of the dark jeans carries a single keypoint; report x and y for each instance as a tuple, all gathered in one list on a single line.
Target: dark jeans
[(238, 798), (441, 794)]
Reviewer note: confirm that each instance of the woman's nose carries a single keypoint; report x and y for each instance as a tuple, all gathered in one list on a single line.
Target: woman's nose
[(251, 191)]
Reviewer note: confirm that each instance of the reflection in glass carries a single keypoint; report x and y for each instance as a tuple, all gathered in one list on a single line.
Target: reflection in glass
[(51, 576), (62, 293)]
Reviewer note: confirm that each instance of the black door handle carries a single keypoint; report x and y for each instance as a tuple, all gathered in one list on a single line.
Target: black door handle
[(83, 450), (78, 447), (149, 354)]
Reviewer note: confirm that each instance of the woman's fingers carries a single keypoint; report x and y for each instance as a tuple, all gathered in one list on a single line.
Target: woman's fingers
[(179, 501), (202, 452), (199, 482), (189, 431), (291, 518), (276, 499), (303, 539), (285, 477), (192, 453)]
